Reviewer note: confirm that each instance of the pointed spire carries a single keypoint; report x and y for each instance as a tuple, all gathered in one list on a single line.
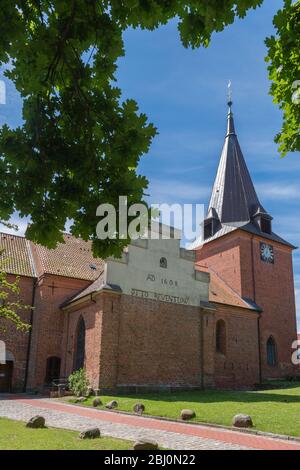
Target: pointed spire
[(233, 197)]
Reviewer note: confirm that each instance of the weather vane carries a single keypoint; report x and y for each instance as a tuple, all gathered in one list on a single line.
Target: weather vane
[(229, 93)]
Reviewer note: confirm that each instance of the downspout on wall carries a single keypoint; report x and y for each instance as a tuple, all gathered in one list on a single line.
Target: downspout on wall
[(34, 284), (259, 317)]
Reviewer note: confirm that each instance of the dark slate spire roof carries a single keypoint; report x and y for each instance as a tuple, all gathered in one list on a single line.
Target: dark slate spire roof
[(233, 196), (234, 202)]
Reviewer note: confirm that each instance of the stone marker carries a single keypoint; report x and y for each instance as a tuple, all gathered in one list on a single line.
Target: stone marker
[(145, 444), (187, 414), (80, 400), (112, 404), (139, 408), (242, 421), (36, 422), (97, 402), (92, 433)]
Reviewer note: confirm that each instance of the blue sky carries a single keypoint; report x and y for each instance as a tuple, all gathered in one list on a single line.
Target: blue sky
[(183, 92)]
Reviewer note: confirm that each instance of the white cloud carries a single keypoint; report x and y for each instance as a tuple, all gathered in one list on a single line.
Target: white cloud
[(167, 191), (282, 190), (21, 223)]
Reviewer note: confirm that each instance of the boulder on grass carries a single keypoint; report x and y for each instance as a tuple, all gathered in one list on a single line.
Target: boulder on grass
[(187, 414), (112, 404), (139, 408), (97, 402), (92, 433), (242, 421), (36, 422), (80, 400), (145, 444)]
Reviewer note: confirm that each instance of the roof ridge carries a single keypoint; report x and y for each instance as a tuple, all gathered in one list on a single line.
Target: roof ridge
[(31, 258), (13, 235)]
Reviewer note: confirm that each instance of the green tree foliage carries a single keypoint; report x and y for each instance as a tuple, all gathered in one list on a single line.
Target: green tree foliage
[(284, 72), (10, 309), (80, 145)]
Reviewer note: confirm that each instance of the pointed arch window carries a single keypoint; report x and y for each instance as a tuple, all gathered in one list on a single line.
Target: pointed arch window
[(80, 345), (271, 352), (221, 337)]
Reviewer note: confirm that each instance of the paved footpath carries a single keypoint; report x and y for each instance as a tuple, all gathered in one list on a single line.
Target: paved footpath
[(169, 434)]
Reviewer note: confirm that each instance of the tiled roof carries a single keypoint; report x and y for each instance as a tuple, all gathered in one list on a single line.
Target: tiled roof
[(220, 292), (16, 258), (93, 287), (250, 228), (74, 259)]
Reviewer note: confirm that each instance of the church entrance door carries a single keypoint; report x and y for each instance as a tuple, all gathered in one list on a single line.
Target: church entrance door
[(6, 376)]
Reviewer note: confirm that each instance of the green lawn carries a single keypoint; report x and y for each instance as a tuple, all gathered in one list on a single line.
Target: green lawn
[(276, 411), (15, 436)]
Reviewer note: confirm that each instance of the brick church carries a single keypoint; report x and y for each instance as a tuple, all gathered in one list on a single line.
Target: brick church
[(160, 317)]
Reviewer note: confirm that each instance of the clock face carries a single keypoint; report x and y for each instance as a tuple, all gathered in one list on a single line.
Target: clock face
[(267, 253)]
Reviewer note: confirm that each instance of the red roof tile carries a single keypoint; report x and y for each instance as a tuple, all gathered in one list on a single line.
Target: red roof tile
[(16, 258), (220, 292), (74, 258)]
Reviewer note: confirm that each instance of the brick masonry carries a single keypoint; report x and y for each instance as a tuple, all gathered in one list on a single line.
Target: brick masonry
[(48, 324), (16, 342), (236, 257), (133, 343)]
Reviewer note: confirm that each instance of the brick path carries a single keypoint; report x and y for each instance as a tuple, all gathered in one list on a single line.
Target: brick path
[(168, 434)]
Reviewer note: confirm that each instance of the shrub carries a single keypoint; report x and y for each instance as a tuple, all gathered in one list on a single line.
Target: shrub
[(78, 382)]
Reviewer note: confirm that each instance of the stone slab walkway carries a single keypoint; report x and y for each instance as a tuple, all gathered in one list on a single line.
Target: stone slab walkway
[(168, 434)]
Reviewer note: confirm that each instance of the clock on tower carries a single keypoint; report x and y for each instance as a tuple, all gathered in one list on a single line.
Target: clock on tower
[(267, 252)]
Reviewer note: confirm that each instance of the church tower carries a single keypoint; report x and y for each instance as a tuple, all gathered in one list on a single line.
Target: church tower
[(241, 247)]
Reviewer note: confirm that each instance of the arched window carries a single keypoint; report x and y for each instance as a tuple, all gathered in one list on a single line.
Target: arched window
[(163, 263), (52, 369), (221, 337), (80, 345), (271, 352)]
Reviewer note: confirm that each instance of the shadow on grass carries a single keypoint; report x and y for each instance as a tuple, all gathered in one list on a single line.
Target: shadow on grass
[(202, 396), (217, 396)]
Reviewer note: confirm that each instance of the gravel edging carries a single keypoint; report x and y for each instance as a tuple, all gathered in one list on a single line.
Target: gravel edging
[(255, 432)]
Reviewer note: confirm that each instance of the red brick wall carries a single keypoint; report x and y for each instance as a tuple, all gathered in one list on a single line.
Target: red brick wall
[(239, 366), (159, 343), (133, 342), (92, 316), (274, 286), (17, 341), (236, 257), (224, 256), (48, 323)]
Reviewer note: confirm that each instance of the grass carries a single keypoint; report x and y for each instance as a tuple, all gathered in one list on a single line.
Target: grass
[(15, 436), (276, 411)]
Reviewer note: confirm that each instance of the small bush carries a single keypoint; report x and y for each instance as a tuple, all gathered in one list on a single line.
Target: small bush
[(78, 382)]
